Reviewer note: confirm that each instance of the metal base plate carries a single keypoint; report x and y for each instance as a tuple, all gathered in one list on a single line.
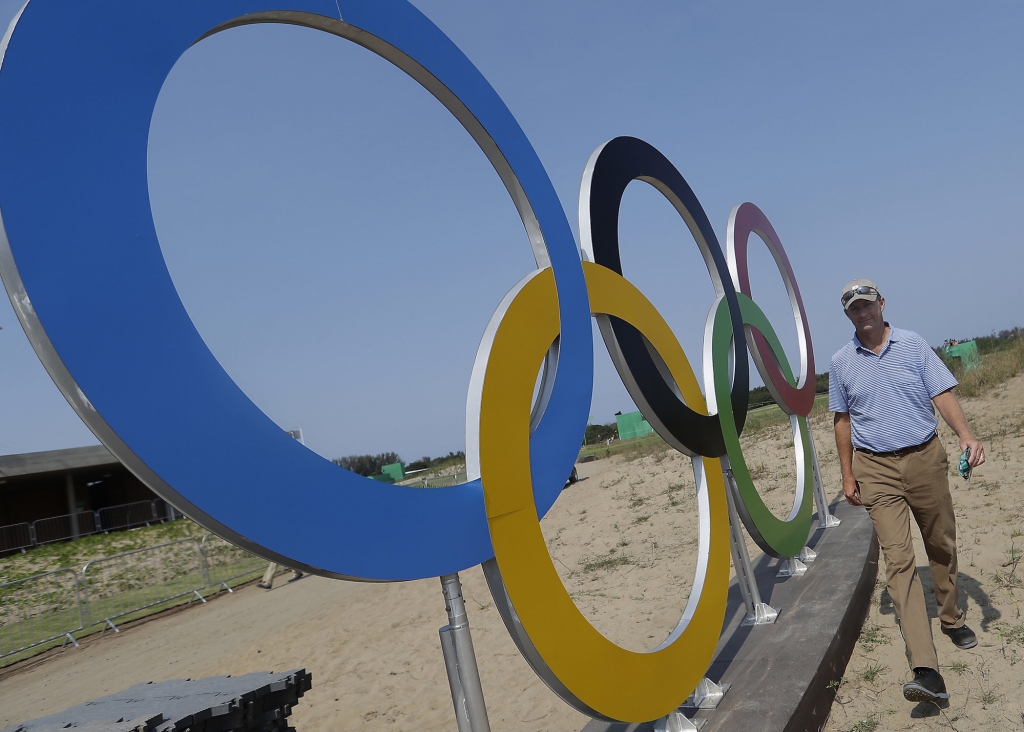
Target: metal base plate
[(707, 695), (792, 568), (678, 722), (830, 522), (807, 554), (764, 614)]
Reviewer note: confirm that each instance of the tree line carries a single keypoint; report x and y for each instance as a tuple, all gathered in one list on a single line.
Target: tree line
[(371, 464)]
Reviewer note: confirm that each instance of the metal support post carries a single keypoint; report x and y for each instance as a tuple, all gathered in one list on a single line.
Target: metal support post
[(68, 637), (678, 722), (451, 665), (460, 660), (825, 518), (69, 489), (758, 613)]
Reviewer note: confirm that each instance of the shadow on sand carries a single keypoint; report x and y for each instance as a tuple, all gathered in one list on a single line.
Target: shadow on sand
[(967, 586)]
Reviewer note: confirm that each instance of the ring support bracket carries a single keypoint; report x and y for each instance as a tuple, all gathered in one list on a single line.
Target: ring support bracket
[(792, 567), (707, 695), (763, 614), (807, 554), (678, 722), (830, 522)]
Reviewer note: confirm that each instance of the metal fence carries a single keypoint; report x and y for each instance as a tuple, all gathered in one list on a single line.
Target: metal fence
[(141, 513), (225, 562), (15, 536), (83, 523), (439, 481), (127, 583), (54, 605), (68, 526), (39, 609)]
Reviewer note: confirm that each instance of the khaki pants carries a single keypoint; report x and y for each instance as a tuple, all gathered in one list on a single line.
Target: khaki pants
[(893, 488)]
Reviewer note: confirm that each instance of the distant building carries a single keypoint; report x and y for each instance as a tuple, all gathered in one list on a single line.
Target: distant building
[(39, 485)]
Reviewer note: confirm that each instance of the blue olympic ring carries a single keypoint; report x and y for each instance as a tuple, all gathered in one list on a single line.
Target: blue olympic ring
[(80, 257)]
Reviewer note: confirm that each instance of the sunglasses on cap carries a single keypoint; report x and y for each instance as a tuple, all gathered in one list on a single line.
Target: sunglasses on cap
[(862, 290)]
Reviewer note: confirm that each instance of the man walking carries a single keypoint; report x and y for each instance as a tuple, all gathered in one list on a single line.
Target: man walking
[(882, 388), (267, 583)]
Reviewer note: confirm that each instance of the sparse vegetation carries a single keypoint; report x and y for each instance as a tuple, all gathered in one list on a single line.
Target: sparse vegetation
[(872, 672), (865, 725), (872, 636), (1012, 634), (758, 470), (1007, 580), (589, 564)]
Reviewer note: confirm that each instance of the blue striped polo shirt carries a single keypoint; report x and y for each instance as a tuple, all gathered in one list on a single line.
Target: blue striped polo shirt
[(888, 395)]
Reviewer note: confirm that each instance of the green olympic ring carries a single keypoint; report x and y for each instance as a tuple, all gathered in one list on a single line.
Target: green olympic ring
[(777, 537)]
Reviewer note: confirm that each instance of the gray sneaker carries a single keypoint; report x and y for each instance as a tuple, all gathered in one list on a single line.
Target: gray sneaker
[(962, 637), (926, 686)]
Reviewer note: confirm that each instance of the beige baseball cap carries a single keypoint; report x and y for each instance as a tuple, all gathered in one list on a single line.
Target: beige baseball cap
[(859, 290)]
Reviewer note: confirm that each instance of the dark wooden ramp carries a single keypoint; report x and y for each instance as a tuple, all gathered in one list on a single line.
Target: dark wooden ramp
[(781, 674), (259, 702)]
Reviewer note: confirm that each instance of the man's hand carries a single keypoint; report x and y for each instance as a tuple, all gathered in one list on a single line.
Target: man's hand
[(949, 408), (977, 456), (852, 491)]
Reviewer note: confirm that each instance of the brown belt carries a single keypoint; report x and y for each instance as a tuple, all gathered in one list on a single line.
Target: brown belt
[(898, 453)]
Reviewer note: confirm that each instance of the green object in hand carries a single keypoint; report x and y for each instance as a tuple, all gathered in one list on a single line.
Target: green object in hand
[(964, 468)]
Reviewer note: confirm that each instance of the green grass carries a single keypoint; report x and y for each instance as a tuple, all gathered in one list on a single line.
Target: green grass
[(758, 420), (53, 624), (629, 449), (34, 610), (75, 554), (772, 415)]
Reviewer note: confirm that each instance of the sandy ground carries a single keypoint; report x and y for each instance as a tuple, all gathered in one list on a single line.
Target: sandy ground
[(623, 540)]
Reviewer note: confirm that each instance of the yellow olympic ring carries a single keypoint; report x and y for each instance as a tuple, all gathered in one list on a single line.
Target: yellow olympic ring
[(645, 685)]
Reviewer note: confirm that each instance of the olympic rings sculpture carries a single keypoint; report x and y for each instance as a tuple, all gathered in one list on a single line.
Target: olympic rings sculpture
[(81, 262)]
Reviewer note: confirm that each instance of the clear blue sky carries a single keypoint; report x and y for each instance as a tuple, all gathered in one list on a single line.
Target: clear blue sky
[(341, 243)]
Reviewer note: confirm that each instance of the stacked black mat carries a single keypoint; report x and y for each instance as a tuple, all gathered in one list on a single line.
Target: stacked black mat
[(259, 702)]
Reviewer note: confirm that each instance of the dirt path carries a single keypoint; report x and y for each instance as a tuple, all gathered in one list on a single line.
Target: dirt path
[(622, 540)]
